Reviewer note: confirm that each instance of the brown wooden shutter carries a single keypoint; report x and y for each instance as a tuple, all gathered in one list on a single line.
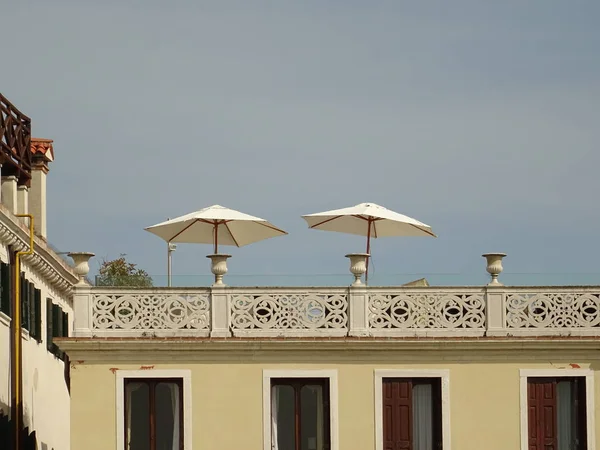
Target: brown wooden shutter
[(397, 414), (541, 405)]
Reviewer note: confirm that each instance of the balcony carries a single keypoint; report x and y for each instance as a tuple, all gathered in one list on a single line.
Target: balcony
[(358, 311)]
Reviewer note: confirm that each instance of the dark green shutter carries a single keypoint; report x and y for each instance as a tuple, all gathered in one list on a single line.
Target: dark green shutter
[(65, 326), (57, 321), (31, 303), (24, 294), (32, 311), (37, 299), (57, 325), (49, 325), (5, 284)]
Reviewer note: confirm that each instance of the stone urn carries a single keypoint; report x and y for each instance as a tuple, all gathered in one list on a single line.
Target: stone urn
[(358, 266), (494, 266), (82, 266), (218, 266)]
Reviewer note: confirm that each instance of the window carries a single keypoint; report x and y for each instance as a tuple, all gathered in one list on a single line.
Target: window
[(57, 325), (153, 413), (557, 409), (300, 414), (412, 415), (412, 410), (556, 413), (300, 410)]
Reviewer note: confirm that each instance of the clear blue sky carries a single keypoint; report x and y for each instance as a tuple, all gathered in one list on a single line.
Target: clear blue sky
[(479, 118)]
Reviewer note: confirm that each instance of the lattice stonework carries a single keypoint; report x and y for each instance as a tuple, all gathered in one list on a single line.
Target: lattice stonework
[(427, 311), (289, 311), (561, 310), (151, 311)]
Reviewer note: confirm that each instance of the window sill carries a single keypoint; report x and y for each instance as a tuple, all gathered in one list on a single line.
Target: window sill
[(5, 320)]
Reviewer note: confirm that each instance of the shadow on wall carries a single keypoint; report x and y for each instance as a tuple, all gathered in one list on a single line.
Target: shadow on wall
[(29, 439)]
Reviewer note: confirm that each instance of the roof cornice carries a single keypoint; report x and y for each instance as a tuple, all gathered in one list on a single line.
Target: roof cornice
[(150, 350), (44, 260)]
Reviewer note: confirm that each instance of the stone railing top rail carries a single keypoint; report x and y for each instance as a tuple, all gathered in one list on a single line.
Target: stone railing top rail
[(342, 289)]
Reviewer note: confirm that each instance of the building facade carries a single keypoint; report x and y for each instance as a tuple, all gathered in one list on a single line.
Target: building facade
[(46, 282), (356, 368)]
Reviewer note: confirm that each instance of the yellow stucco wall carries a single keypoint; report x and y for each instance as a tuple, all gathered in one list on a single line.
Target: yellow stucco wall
[(227, 402)]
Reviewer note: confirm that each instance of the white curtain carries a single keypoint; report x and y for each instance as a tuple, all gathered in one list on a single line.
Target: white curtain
[(565, 415), (129, 390), (422, 404), (320, 417), (274, 412), (175, 408)]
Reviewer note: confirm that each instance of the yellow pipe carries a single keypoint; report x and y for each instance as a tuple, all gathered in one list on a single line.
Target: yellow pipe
[(17, 361)]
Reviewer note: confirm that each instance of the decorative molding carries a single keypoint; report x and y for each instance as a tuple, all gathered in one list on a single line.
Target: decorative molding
[(44, 261), (443, 374), (184, 374), (332, 375), (590, 402), (329, 350)]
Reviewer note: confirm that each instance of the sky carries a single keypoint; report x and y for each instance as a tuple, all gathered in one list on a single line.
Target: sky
[(477, 117)]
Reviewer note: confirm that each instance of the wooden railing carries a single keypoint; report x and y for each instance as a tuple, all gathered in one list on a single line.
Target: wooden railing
[(15, 142)]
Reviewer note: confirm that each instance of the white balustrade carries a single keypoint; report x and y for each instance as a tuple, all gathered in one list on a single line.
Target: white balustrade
[(158, 312), (427, 311), (289, 312), (561, 311), (331, 311)]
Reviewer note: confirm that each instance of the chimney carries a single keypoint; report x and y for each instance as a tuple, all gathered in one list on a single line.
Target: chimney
[(42, 153), (9, 193), (23, 201)]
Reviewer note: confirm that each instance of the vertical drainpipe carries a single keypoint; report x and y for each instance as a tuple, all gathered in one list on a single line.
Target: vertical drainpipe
[(16, 365)]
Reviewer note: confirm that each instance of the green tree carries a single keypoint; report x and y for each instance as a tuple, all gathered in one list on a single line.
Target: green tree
[(120, 272)]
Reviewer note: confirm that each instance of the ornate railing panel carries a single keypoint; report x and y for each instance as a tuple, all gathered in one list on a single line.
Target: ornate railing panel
[(155, 312), (558, 310), (425, 311), (290, 312)]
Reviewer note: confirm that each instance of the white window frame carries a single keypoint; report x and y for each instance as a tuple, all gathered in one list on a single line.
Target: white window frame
[(268, 375), (559, 373), (443, 374), (185, 375)]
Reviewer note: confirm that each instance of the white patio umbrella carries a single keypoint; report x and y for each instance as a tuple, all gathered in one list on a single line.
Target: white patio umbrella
[(215, 225), (370, 220)]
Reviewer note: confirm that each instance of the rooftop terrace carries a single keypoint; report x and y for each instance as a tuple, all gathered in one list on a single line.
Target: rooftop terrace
[(328, 311)]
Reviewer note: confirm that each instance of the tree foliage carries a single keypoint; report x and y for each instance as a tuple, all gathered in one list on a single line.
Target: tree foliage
[(120, 272)]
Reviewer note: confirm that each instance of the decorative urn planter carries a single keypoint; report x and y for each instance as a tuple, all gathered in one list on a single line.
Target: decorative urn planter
[(82, 267), (358, 266), (218, 267), (494, 266)]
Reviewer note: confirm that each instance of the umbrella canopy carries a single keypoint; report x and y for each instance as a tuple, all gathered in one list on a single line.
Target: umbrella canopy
[(216, 225), (370, 220)]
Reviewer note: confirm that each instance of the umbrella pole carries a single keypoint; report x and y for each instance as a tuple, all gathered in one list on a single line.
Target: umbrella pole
[(368, 251), (216, 238)]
